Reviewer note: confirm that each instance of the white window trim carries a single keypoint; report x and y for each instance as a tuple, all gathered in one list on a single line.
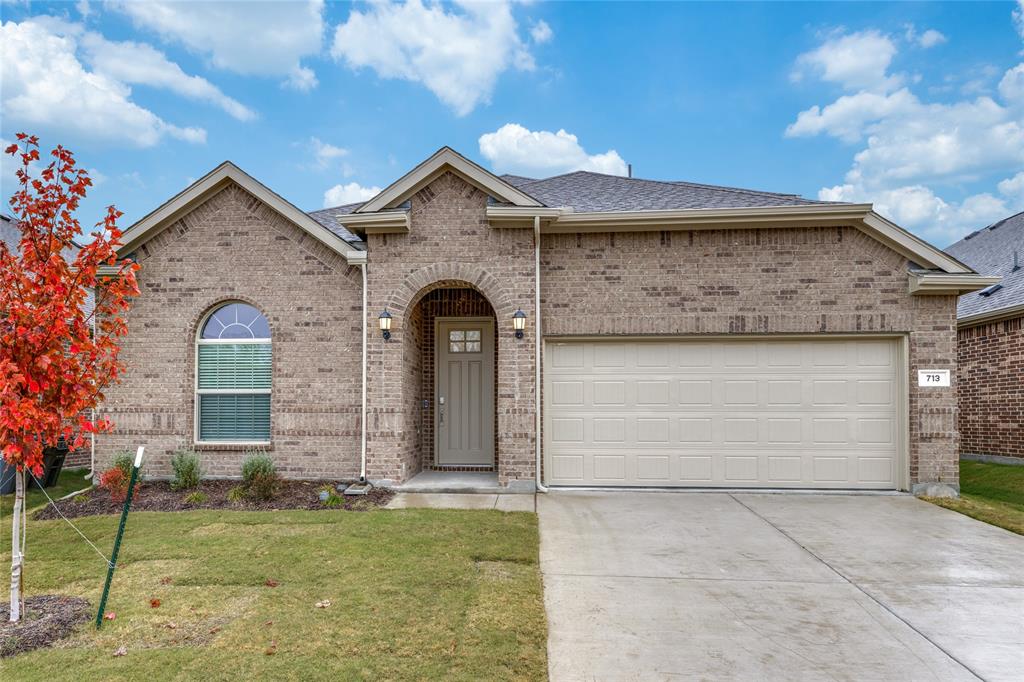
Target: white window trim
[(196, 391)]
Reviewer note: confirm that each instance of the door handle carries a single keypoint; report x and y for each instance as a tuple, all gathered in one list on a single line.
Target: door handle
[(440, 412)]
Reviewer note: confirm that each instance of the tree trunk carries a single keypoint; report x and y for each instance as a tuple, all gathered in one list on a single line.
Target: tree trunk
[(16, 558)]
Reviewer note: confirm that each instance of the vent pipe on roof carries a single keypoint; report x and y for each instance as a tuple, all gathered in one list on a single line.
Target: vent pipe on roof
[(1016, 262), (629, 170)]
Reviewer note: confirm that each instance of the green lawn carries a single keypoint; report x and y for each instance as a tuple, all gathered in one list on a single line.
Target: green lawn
[(70, 480), (993, 493), (414, 595)]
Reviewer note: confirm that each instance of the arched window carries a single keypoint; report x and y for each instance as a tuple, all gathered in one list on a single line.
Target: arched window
[(233, 376)]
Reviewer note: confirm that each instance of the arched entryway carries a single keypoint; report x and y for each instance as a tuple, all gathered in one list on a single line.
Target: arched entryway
[(450, 362)]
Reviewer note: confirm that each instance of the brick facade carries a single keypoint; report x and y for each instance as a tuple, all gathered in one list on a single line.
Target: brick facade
[(232, 247), (991, 370), (450, 246), (827, 280)]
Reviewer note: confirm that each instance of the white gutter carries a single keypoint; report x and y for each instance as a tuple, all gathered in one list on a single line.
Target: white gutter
[(536, 348)]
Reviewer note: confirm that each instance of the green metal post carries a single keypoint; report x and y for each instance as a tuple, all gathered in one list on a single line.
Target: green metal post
[(117, 540)]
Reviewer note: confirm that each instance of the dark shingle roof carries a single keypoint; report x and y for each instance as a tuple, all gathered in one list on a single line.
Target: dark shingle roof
[(586, 192), (990, 251), (328, 218)]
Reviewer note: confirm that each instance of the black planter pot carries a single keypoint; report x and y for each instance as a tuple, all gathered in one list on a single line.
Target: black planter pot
[(7, 483), (53, 462)]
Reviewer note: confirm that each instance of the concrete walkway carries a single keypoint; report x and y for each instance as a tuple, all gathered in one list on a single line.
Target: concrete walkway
[(463, 501), (680, 586)]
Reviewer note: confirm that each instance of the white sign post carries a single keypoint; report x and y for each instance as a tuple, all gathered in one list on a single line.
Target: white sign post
[(933, 377)]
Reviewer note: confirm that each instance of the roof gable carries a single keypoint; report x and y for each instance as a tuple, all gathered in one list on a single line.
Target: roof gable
[(446, 159), (207, 186)]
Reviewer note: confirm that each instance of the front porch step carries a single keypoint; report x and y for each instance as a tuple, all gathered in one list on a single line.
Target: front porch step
[(457, 482)]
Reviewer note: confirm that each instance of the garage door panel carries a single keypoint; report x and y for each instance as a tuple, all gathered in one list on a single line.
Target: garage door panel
[(752, 413)]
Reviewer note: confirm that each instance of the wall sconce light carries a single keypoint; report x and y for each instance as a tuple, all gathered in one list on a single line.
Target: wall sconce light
[(384, 320), (519, 323)]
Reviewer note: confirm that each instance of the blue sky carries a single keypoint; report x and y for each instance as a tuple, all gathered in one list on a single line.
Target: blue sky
[(918, 107)]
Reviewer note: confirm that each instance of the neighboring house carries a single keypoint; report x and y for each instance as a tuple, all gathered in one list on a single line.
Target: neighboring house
[(991, 342), (690, 335), (10, 235)]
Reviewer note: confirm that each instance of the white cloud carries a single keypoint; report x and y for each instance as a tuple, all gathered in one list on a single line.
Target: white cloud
[(918, 207), (1013, 188), (910, 145), (44, 84), (931, 38), (541, 32), (855, 61), (1018, 17), (249, 38), (325, 153), (456, 53), (139, 63), (83, 8), (301, 79), (353, 192), (1011, 87), (514, 149)]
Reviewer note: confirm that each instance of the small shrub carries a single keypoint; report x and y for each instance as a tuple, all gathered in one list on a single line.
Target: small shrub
[(124, 461), (259, 475), (188, 470), (115, 481), (333, 499), (196, 497), (236, 494)]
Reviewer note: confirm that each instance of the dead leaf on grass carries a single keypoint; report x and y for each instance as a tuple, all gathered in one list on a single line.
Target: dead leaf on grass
[(214, 630), (323, 604), (121, 651), (154, 603), (271, 583), (166, 580), (171, 625), (109, 615), (272, 649)]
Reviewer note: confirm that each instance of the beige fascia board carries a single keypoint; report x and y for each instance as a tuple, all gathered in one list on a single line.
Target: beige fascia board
[(389, 222), (356, 257), (915, 248), (445, 158), (522, 216), (219, 177), (942, 283), (989, 316), (710, 218)]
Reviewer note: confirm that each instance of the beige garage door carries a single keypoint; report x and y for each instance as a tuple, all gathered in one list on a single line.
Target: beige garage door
[(746, 413)]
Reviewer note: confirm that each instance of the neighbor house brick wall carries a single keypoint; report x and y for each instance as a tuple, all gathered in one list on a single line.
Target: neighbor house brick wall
[(450, 245), (991, 372), (828, 280), (233, 247)]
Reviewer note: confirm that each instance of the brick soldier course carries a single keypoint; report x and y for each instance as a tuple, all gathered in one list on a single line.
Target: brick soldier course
[(231, 239)]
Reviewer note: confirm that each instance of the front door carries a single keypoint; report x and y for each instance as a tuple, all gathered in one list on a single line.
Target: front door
[(464, 395)]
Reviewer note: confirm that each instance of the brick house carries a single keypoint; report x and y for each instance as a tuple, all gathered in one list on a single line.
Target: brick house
[(991, 344), (579, 330)]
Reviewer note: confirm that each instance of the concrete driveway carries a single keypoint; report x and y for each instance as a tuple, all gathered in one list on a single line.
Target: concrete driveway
[(714, 586)]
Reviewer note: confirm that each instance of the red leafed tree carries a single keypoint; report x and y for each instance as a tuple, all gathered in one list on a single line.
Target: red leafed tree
[(55, 356)]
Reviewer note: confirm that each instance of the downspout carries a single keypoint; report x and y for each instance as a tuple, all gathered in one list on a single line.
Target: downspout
[(536, 351), (362, 419)]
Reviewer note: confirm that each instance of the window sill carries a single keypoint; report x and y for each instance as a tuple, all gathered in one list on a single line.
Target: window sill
[(232, 447)]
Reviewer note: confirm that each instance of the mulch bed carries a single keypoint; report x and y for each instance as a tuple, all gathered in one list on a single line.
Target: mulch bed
[(47, 618), (158, 496)]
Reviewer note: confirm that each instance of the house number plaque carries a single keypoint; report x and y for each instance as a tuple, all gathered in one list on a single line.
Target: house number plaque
[(933, 377)]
